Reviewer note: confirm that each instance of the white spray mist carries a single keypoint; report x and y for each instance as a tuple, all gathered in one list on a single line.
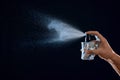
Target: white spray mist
[(58, 30), (65, 31)]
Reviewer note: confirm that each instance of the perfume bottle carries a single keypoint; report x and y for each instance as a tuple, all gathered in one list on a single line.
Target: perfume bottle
[(89, 44)]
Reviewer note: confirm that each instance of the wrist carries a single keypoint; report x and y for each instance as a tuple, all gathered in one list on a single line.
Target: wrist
[(112, 56)]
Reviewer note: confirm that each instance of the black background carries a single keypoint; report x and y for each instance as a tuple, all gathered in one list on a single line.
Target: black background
[(36, 62)]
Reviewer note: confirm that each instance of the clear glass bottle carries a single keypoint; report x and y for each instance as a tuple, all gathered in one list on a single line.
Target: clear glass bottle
[(89, 44)]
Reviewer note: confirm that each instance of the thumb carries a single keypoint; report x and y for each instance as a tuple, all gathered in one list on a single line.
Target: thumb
[(91, 51)]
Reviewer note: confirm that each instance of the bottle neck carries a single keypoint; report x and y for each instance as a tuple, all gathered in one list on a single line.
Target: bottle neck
[(89, 38)]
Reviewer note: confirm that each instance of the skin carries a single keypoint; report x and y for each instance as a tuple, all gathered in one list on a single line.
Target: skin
[(104, 51)]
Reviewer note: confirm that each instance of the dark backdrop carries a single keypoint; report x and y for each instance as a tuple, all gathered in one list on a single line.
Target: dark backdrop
[(36, 62)]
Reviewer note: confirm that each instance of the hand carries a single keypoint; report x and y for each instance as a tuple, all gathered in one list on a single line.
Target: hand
[(104, 50)]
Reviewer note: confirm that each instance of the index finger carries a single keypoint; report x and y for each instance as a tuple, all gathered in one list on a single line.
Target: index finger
[(97, 34)]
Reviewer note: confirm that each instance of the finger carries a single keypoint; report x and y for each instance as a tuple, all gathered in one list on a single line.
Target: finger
[(97, 34), (91, 52)]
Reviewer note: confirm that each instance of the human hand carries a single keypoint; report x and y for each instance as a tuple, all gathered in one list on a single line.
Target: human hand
[(104, 50)]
